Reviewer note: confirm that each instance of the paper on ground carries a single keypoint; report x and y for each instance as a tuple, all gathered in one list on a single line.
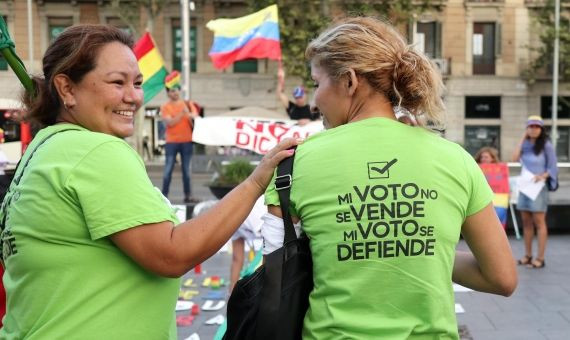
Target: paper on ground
[(194, 336), (528, 186), (459, 309), (184, 305), (460, 288)]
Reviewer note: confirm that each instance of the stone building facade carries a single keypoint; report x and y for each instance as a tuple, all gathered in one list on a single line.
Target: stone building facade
[(481, 48)]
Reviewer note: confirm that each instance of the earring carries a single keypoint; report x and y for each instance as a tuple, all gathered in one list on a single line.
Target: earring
[(67, 107)]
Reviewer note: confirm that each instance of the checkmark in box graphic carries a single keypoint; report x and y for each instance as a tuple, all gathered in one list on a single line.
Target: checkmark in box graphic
[(380, 169)]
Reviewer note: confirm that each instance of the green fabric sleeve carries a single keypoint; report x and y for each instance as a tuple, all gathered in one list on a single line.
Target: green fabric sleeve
[(114, 192)]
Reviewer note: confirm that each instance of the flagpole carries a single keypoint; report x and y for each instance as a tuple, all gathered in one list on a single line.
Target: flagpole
[(30, 38), (554, 130), (185, 49)]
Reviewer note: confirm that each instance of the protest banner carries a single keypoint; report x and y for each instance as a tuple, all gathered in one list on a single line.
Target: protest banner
[(497, 175), (255, 134)]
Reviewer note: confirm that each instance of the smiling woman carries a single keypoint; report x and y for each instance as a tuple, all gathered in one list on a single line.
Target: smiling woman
[(85, 236), (106, 99)]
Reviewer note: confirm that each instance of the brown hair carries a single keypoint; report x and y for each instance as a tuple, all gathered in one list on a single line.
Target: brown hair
[(72, 53), (377, 52), (491, 151)]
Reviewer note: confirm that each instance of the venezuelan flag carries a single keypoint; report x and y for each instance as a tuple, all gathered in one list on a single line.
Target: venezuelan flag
[(151, 65), (253, 36)]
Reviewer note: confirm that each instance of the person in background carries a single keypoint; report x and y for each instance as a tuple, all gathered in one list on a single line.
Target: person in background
[(178, 116), (299, 109), (249, 230), (379, 271), (536, 154), (487, 155), (497, 175), (91, 249)]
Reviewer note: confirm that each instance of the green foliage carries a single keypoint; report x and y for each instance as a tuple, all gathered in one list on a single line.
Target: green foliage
[(299, 23), (544, 19), (130, 12), (397, 12), (234, 173), (302, 21)]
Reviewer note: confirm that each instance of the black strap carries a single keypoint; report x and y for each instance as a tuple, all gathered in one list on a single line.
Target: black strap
[(268, 314), (285, 170), (18, 177)]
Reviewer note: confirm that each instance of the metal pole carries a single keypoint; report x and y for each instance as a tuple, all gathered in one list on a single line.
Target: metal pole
[(555, 74), (185, 49), (30, 39)]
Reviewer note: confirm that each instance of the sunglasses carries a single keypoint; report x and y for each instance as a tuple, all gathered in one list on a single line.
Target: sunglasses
[(534, 126)]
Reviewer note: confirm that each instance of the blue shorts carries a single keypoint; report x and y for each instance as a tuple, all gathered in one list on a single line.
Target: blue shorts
[(540, 204)]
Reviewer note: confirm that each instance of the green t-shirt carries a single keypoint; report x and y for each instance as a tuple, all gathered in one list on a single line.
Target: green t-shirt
[(64, 277), (383, 204)]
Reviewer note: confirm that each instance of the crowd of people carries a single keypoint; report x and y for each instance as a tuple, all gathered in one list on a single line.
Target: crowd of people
[(98, 250)]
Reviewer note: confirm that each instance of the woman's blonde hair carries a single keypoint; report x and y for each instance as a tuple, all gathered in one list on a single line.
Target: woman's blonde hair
[(377, 52), (491, 151)]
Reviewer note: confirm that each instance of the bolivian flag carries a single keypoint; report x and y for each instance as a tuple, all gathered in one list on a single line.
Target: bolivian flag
[(151, 65)]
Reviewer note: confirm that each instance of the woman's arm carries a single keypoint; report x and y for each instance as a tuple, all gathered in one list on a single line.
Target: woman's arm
[(517, 153), (490, 266), (171, 251), (281, 89)]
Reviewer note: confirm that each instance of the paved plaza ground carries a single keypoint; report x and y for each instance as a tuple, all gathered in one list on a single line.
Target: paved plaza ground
[(539, 308)]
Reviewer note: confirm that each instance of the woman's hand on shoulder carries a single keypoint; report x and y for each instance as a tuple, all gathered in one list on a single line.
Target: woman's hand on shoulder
[(264, 171)]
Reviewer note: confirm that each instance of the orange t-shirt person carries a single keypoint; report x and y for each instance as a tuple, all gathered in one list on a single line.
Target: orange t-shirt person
[(178, 119)]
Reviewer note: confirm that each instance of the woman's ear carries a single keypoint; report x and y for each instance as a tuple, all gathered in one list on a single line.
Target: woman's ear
[(65, 89), (352, 82)]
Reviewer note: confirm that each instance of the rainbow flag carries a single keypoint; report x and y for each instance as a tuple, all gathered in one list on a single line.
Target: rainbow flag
[(253, 36), (151, 65)]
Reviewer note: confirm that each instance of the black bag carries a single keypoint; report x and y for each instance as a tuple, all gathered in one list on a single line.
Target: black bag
[(551, 183), (271, 303)]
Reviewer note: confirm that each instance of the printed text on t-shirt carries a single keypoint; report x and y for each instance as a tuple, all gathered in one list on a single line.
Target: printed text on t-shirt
[(386, 221)]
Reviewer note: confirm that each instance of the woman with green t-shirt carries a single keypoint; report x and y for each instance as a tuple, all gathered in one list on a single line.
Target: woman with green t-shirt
[(90, 247), (384, 203)]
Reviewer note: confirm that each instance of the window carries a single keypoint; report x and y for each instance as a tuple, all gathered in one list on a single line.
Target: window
[(177, 47), (57, 25), (117, 22), (245, 66), (478, 136), (546, 107), (562, 142), (486, 47), (483, 107), (428, 38)]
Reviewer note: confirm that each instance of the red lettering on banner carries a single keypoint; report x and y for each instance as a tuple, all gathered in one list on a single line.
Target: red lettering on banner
[(278, 130), (242, 139), (258, 127), (264, 148)]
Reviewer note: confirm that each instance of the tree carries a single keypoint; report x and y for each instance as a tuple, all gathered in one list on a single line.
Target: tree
[(301, 21), (130, 13), (544, 19), (397, 12)]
